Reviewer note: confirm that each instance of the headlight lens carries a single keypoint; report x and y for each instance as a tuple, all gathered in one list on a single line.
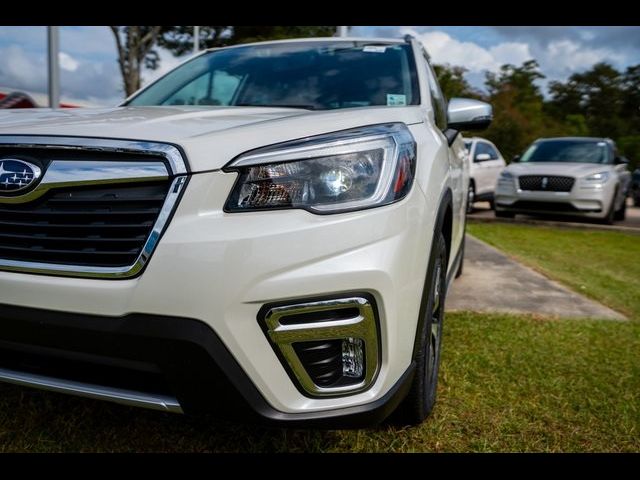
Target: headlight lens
[(505, 175), (348, 170), (600, 177)]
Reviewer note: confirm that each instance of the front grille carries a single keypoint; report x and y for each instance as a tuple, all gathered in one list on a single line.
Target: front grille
[(97, 226), (551, 184)]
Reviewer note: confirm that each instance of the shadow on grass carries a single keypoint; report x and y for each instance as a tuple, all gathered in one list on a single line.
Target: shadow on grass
[(38, 421)]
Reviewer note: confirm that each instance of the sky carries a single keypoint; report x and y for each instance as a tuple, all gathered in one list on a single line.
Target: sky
[(90, 73)]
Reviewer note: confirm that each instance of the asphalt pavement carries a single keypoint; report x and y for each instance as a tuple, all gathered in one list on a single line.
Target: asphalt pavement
[(492, 282), (482, 212)]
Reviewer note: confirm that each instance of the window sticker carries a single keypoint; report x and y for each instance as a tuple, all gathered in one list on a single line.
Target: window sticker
[(396, 99), (374, 49)]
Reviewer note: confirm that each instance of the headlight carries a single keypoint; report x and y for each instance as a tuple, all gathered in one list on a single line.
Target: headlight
[(348, 170), (600, 177), (505, 175)]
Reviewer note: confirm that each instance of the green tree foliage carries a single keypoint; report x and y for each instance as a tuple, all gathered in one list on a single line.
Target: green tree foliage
[(601, 102), (518, 108), (452, 82), (180, 39)]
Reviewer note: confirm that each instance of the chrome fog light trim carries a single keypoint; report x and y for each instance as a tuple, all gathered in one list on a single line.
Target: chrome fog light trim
[(286, 325)]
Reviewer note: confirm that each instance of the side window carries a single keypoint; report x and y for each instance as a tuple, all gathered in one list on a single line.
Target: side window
[(438, 101), (485, 149)]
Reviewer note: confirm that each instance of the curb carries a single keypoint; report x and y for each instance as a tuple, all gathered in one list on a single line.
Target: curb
[(551, 223)]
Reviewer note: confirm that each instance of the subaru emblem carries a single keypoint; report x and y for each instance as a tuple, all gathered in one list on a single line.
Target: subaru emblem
[(16, 175)]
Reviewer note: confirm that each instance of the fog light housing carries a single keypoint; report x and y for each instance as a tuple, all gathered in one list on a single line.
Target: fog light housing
[(352, 357), (329, 347)]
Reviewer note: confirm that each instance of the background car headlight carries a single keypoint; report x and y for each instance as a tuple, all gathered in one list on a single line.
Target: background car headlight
[(600, 177), (348, 170), (505, 175)]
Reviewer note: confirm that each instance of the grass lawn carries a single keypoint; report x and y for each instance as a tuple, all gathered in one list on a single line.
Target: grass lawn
[(599, 264), (508, 383)]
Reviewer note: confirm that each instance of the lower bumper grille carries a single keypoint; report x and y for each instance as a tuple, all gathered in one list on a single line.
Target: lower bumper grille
[(545, 206)]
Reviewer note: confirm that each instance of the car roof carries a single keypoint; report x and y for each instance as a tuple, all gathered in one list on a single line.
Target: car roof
[(575, 139), (385, 41)]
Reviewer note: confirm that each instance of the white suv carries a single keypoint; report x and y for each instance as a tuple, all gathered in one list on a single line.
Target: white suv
[(485, 165), (269, 227), (577, 176)]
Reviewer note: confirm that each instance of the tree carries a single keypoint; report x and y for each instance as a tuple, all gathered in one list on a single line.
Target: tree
[(179, 40), (517, 107), (597, 94), (452, 82), (135, 47)]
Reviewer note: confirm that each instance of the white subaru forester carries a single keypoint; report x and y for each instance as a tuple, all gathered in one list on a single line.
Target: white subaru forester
[(268, 228)]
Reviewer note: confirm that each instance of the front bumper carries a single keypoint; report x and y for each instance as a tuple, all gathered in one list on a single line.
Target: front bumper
[(580, 201), (219, 269)]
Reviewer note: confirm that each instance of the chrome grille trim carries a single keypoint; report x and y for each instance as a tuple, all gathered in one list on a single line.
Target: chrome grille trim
[(141, 171)]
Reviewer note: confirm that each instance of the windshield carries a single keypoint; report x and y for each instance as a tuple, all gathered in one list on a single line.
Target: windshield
[(575, 151), (311, 75)]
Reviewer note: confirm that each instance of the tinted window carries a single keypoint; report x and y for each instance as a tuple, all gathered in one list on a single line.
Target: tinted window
[(482, 147), (314, 75), (567, 151)]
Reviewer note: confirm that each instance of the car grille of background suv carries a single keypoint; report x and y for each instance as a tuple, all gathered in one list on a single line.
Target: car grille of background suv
[(98, 210), (551, 184)]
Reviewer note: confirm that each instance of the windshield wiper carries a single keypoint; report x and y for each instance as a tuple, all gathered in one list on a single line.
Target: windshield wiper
[(276, 105)]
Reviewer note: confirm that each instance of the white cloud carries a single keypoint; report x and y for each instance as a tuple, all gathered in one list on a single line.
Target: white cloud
[(67, 62), (443, 48), (562, 57)]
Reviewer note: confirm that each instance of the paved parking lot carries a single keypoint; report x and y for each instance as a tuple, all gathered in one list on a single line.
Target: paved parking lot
[(484, 212), (492, 282)]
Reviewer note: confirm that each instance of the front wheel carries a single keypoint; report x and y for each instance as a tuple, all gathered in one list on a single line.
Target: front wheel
[(621, 213), (422, 396), (471, 197)]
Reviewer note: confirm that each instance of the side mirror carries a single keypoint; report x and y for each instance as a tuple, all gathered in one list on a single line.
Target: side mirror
[(621, 161), (469, 114), (482, 157), (515, 159)]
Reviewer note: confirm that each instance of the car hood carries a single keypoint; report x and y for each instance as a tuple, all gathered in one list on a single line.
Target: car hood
[(210, 136), (557, 168)]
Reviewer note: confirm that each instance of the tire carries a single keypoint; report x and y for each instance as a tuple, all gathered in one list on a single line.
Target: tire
[(636, 200), (461, 264), (492, 204), (471, 195), (621, 213), (422, 396), (611, 213), (503, 214)]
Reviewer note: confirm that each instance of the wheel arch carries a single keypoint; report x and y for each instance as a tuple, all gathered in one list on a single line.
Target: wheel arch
[(444, 224)]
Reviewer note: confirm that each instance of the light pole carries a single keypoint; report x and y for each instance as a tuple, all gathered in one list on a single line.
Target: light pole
[(53, 47), (196, 39)]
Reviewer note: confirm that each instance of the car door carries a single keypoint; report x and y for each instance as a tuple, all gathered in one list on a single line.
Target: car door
[(494, 166), (456, 157), (482, 167)]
